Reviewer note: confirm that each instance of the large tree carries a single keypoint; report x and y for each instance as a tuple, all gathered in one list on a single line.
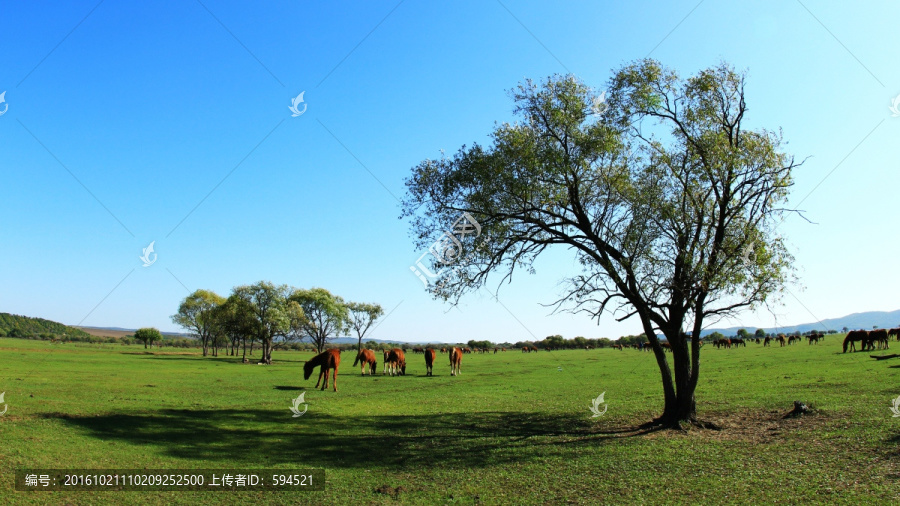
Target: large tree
[(361, 317), (668, 200), (197, 313), (326, 315)]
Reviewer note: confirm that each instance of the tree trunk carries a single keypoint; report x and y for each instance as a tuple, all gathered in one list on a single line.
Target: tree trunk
[(685, 407), (680, 405), (669, 394)]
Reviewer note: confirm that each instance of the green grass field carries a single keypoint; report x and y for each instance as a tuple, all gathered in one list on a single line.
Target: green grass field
[(512, 429)]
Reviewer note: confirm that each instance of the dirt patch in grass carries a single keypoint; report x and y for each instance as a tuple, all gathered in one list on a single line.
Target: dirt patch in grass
[(761, 427)]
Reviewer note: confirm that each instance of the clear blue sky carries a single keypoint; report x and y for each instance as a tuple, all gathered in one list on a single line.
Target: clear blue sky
[(123, 117)]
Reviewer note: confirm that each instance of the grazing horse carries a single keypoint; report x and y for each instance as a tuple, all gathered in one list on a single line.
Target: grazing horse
[(894, 332), (780, 339), (387, 355), (328, 359), (396, 362), (455, 361), (366, 360), (766, 341), (853, 337), (814, 337), (879, 336), (429, 361)]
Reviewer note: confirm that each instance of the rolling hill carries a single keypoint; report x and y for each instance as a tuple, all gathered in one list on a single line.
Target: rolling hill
[(24, 326)]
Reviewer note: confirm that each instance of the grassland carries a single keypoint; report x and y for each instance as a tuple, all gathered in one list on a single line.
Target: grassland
[(512, 429)]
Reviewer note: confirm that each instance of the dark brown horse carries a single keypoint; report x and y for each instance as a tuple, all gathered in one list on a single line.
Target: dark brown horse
[(429, 361), (766, 341), (396, 362), (853, 337), (780, 339), (455, 361), (894, 332), (366, 360), (880, 337), (328, 359)]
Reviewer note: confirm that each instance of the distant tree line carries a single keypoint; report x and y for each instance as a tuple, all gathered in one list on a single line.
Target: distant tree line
[(270, 316)]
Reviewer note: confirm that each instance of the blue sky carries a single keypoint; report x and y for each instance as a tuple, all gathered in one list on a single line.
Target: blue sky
[(130, 123)]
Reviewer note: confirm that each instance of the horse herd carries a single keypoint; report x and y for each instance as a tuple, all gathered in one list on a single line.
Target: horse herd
[(395, 359), (868, 339), (394, 363)]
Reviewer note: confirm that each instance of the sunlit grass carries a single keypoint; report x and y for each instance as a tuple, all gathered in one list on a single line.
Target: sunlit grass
[(513, 428)]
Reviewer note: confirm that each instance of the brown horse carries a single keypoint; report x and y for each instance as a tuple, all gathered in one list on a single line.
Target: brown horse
[(894, 332), (879, 336), (455, 361), (766, 341), (387, 355), (780, 339), (328, 359), (396, 362), (814, 338), (853, 337), (429, 361), (366, 360)]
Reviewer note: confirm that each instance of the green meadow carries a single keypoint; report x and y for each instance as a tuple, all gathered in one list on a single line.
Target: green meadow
[(513, 428)]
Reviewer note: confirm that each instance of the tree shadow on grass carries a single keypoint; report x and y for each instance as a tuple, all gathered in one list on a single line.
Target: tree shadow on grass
[(265, 437), (216, 360)]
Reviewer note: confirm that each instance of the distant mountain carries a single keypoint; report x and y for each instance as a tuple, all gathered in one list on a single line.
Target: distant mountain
[(881, 319), (25, 326)]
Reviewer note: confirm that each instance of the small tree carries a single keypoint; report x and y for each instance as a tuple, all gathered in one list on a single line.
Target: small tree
[(197, 314), (361, 316), (760, 333), (148, 335), (743, 334), (269, 311), (325, 315)]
